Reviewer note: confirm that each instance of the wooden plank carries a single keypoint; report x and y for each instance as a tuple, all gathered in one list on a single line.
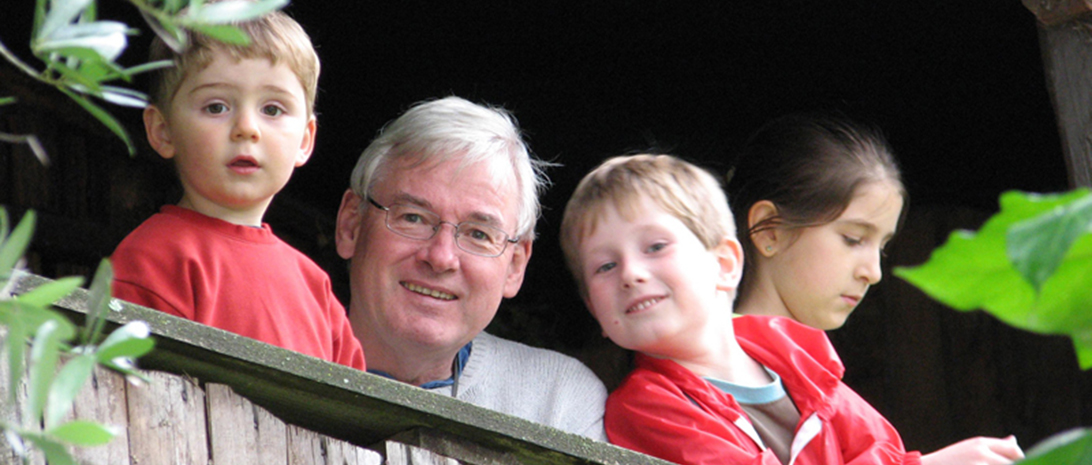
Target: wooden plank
[(1067, 62), (306, 447), (242, 433), (1053, 12), (12, 412), (455, 447), (167, 422), (405, 454), (103, 400)]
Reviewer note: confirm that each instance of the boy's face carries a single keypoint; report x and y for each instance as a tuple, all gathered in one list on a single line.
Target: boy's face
[(236, 130), (652, 284)]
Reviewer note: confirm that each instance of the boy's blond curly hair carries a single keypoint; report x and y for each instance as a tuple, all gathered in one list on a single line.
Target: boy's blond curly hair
[(274, 36), (680, 188)]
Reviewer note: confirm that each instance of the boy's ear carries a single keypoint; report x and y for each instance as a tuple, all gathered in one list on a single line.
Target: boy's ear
[(765, 241), (307, 145), (349, 217), (729, 255), (159, 134)]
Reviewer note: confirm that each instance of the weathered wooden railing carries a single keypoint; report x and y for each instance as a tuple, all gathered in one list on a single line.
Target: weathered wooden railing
[(217, 398)]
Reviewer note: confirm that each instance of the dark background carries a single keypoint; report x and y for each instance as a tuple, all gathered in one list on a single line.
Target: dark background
[(957, 86)]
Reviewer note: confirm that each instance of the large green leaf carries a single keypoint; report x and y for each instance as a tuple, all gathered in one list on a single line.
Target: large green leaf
[(1043, 287), (1036, 246), (1069, 448)]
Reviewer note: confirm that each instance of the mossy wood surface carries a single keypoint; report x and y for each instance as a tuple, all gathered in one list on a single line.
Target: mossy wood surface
[(338, 401)]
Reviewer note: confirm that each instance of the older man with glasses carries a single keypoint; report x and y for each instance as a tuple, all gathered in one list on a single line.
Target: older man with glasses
[(422, 294)]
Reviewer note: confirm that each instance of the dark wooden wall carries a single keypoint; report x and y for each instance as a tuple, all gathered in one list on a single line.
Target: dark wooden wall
[(939, 375)]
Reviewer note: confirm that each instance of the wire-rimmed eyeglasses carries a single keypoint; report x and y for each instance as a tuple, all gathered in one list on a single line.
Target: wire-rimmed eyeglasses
[(418, 223)]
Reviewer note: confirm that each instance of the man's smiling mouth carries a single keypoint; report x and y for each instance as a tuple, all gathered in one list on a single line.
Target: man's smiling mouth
[(428, 292)]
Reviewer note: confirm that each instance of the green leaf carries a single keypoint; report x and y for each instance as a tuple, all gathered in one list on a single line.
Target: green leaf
[(974, 270), (61, 13), (131, 340), (98, 302), (1067, 448), (50, 292), (16, 243), (7, 100), (105, 118), (16, 345), (224, 33), (151, 66), (234, 11), (44, 353), (66, 386), (84, 433), (170, 33), (55, 452), (104, 39), (124, 97), (1036, 246)]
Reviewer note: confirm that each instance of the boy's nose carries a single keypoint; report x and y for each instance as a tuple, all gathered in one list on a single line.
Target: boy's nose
[(245, 127), (632, 275)]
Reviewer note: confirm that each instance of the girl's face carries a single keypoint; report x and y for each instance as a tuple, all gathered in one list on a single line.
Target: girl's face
[(823, 274)]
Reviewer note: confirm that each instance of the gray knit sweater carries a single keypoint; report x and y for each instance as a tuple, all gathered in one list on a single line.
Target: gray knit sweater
[(535, 384)]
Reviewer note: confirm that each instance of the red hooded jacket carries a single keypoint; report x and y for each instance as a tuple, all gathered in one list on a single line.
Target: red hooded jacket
[(664, 410)]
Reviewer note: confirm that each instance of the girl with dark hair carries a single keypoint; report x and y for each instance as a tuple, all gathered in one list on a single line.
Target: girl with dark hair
[(816, 200)]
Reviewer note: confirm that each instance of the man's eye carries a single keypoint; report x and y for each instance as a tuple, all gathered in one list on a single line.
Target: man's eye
[(411, 218), (272, 110), (216, 108), (479, 235)]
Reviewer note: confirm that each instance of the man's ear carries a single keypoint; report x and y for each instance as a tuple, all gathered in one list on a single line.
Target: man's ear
[(730, 258), (158, 132), (765, 241), (517, 268), (307, 145), (349, 217)]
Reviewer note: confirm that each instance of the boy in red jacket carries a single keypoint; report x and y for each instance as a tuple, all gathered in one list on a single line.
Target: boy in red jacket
[(652, 246)]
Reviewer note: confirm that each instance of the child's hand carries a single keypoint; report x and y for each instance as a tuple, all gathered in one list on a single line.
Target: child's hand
[(977, 451)]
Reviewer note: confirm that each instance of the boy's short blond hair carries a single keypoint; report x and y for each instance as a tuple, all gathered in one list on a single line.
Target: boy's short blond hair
[(680, 188), (274, 36)]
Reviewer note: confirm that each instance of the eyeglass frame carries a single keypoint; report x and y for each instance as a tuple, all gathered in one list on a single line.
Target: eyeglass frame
[(436, 229)]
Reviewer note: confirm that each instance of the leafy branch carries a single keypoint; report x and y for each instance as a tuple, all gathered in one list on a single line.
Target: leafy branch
[(79, 51), (61, 357)]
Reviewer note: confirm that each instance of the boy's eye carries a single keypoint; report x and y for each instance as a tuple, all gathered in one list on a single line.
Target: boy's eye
[(216, 108), (605, 267), (656, 247), (850, 240), (272, 110)]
